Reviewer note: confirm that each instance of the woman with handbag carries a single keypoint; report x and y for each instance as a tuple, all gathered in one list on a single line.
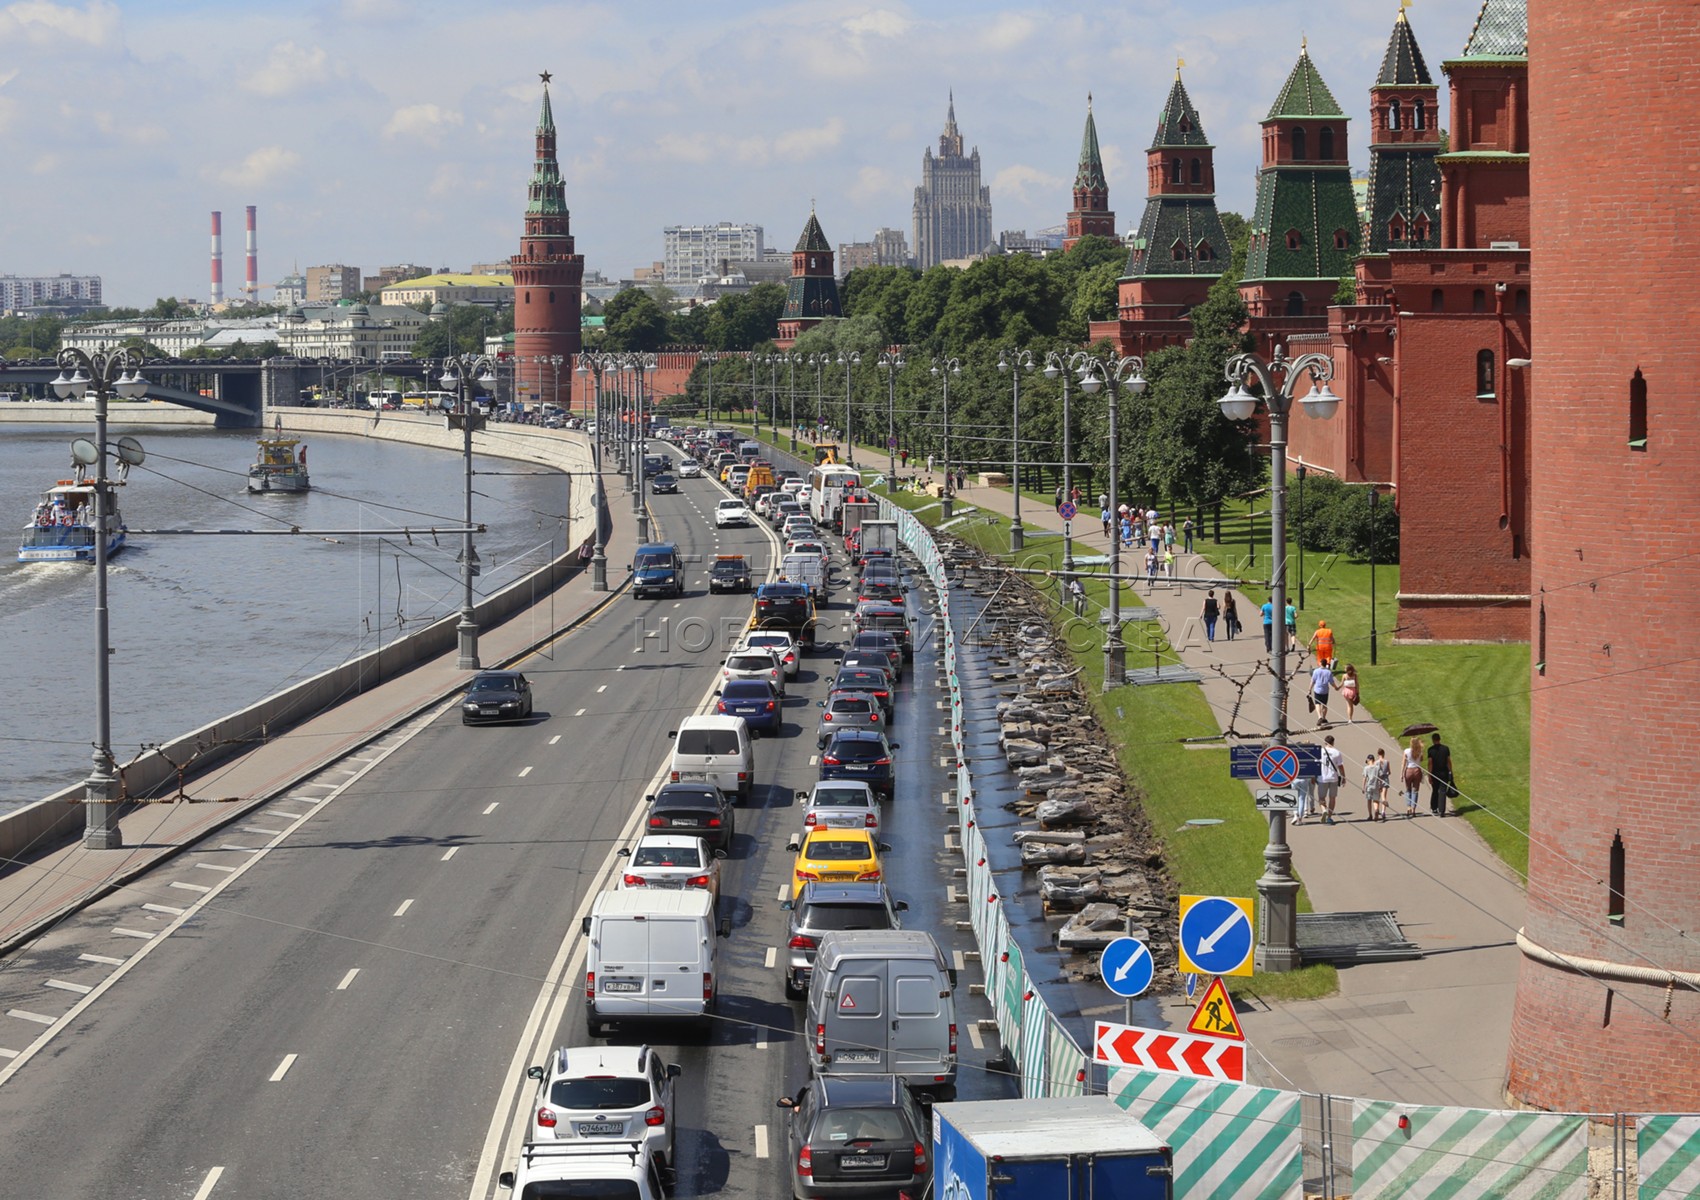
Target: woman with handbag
[(1413, 777), (1348, 687)]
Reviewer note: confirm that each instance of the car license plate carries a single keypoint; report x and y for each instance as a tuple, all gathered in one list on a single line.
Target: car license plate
[(866, 1161), (601, 1128), (621, 985), (489, 712), (667, 883), (857, 1056)]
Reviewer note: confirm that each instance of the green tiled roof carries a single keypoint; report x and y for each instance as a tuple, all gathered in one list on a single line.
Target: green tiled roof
[(811, 297), (1315, 201), (1187, 220), (547, 195), (1305, 95), (1403, 183), (1501, 30), (1179, 124), (1403, 63), (1089, 175), (813, 240)]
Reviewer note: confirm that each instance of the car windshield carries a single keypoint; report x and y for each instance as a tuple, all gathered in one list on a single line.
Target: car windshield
[(830, 850), (857, 749), (840, 797), (861, 1125), (847, 916), (851, 704), (862, 679), (750, 662), (708, 741), (747, 689), (599, 1094), (667, 856), (494, 683), (655, 558)]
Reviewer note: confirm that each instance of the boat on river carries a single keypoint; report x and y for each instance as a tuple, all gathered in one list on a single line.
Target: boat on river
[(279, 468), (62, 529)]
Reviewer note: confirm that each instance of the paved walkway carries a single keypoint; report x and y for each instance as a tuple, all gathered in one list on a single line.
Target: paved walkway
[(36, 893), (1430, 1031)]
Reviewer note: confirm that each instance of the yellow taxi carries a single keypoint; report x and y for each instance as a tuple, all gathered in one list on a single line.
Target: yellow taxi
[(837, 856)]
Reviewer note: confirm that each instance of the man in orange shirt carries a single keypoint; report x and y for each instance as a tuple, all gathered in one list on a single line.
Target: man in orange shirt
[(1322, 641)]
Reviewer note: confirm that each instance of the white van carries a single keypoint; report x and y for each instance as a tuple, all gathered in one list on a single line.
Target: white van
[(881, 1003), (651, 957), (717, 750)]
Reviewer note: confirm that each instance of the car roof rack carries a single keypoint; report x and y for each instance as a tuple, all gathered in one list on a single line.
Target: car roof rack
[(579, 1149)]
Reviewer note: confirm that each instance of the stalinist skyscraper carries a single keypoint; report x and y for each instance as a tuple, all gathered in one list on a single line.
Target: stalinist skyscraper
[(953, 211)]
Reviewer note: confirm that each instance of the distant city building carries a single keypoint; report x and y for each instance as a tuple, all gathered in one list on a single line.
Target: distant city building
[(30, 291), (1017, 241), (654, 273), (1091, 215), (291, 289), (953, 210), (386, 276), (853, 256), (812, 296), (175, 337), (350, 332), (328, 284), (693, 251), (891, 249), (500, 267), (492, 290)]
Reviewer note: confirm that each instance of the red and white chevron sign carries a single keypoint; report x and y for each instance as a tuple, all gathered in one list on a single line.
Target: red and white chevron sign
[(1160, 1050)]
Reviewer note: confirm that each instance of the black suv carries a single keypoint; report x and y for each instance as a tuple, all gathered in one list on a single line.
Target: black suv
[(730, 573), (824, 907), (694, 810), (887, 618), (863, 755), (785, 606)]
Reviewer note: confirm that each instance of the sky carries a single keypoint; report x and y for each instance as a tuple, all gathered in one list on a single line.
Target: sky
[(371, 132)]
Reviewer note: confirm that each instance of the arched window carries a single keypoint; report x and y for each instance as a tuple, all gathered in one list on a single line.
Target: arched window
[(1295, 304), (551, 295), (1437, 301), (1419, 232), (1615, 869), (1396, 230), (811, 262), (1392, 114), (528, 296), (1638, 411), (1478, 301), (1484, 376), (1325, 144), (1293, 239), (1175, 171), (1342, 239), (1185, 125), (1521, 302), (1419, 115), (1197, 171), (1178, 251), (1298, 142)]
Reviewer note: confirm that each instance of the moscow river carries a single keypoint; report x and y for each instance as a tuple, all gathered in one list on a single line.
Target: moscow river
[(203, 626)]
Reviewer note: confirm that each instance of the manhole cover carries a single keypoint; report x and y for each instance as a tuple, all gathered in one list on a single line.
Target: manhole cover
[(1205, 821)]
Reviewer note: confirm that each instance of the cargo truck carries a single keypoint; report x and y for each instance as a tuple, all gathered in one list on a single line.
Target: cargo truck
[(852, 514), (879, 540), (1073, 1148)]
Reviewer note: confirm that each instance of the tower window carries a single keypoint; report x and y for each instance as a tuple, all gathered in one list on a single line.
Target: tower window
[(1293, 240), (1419, 115), (1614, 900), (1478, 301), (1203, 252), (1295, 304), (1175, 170), (1342, 240), (1392, 114), (1396, 231), (1638, 411), (1325, 143), (1185, 125), (1437, 301), (1484, 376), (528, 296), (1197, 171), (551, 295), (1178, 251), (1298, 142), (1420, 231), (1521, 301)]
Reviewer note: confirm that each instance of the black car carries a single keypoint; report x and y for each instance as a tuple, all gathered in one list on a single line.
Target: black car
[(859, 1135), (862, 755), (785, 606), (874, 680), (891, 618), (655, 464), (496, 696), (664, 484), (730, 573), (694, 810)]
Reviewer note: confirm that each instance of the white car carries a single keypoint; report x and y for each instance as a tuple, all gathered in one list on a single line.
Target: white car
[(795, 488), (605, 1093), (731, 512), (798, 527), (670, 860), (810, 546), (780, 643), (690, 469), (758, 662), (838, 804)]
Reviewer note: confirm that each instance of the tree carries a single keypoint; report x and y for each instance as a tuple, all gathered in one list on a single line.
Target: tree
[(1239, 239), (743, 321), (169, 309), (689, 326), (634, 321), (1096, 297), (1347, 291), (881, 293), (462, 330)]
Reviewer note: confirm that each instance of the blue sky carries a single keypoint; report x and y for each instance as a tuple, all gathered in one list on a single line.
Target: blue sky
[(377, 131)]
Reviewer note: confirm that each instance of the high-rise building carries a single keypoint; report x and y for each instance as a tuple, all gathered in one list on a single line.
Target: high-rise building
[(328, 284), (547, 275), (812, 296), (26, 291), (691, 251), (953, 210), (1091, 214), (890, 248)]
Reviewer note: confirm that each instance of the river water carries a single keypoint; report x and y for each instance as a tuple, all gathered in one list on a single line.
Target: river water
[(203, 626)]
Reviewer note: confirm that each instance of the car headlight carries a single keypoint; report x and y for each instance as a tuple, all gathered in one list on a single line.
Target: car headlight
[(470, 706)]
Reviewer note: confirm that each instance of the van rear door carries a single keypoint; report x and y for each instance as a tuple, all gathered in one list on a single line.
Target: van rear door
[(920, 1038), (856, 1039), (622, 956), (678, 962)]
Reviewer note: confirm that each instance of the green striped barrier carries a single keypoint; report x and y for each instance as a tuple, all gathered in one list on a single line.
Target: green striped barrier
[(1230, 1141), (1066, 1066), (1479, 1153), (1667, 1149)]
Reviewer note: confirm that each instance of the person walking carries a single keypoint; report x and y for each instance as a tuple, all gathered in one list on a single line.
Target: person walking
[(1103, 499), (1127, 533), (1077, 594), (1186, 535), (1151, 568), (1413, 775), (961, 479), (1348, 686), (1211, 614), (904, 455), (929, 464), (1058, 504), (1169, 536), (1154, 530), (1321, 679), (1230, 614), (1169, 561), (1383, 783), (1322, 641), (1303, 790), (1328, 781), (1104, 516), (1440, 776), (1269, 626), (1371, 782), (1292, 617)]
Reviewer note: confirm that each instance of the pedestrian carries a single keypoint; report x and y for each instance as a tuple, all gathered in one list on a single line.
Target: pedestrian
[(1321, 679), (1439, 776), (1058, 504), (1104, 516), (1413, 775), (961, 479), (904, 455), (1322, 641), (1348, 686), (1169, 536), (1151, 567), (1138, 529), (1371, 781), (1186, 535), (1212, 612), (1103, 499), (1077, 593), (1169, 561), (929, 464), (1328, 782), (1127, 533), (1230, 614), (1269, 626), (1303, 787), (1292, 627), (1154, 531), (1075, 496), (1151, 516), (1383, 783)]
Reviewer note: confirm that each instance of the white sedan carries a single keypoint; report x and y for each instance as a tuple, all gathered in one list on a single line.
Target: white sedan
[(668, 860), (731, 512), (780, 643)]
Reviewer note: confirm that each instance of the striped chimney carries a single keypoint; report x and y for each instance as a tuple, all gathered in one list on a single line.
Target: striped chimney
[(252, 286), (218, 258)]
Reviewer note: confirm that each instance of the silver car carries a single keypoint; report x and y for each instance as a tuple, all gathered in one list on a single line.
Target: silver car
[(758, 662), (605, 1093), (837, 804), (823, 907), (671, 860)]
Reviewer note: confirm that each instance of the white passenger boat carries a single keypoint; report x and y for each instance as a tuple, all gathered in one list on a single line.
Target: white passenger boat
[(62, 528)]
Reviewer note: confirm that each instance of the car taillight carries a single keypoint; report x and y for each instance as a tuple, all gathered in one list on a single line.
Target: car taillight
[(953, 1037), (708, 987), (871, 821), (697, 881), (720, 707), (742, 776), (805, 1164), (826, 717), (828, 760), (673, 778), (802, 942), (882, 695), (590, 987), (805, 874), (920, 1157), (658, 1116), (868, 877), (657, 823), (634, 881), (770, 706), (809, 820), (714, 822), (882, 762), (546, 1118), (820, 1038)]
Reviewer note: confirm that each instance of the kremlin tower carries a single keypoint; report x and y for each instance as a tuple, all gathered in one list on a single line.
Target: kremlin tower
[(1091, 215), (547, 274)]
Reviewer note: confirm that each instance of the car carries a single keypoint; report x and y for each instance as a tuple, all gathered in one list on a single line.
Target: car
[(784, 605), (873, 679), (824, 907), (861, 754), (878, 641), (697, 809), (892, 618), (671, 860), (664, 484), (763, 505), (798, 527), (848, 710), (755, 700), (782, 511), (756, 663), (605, 1093), (810, 546), (783, 646), (860, 1135), (882, 586), (837, 856), (735, 478), (730, 573), (837, 804), (655, 464), (496, 696), (731, 512)]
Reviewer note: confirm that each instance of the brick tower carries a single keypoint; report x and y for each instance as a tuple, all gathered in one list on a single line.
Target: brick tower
[(548, 276), (1608, 995), (812, 296), (1091, 214)]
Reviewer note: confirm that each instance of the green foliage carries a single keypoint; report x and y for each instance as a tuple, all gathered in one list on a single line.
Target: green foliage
[(744, 321), (634, 321), (168, 308), (1335, 518), (688, 326), (1239, 239), (462, 331), (1095, 299), (882, 294), (1347, 291), (30, 337)]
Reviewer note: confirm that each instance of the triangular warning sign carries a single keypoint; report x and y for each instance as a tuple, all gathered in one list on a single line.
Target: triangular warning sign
[(847, 1002), (1215, 1015)]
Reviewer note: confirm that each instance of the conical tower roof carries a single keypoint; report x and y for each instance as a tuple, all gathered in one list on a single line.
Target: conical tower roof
[(1501, 30), (1179, 124), (547, 194), (1403, 63), (1089, 175), (1305, 95), (546, 119), (813, 240)]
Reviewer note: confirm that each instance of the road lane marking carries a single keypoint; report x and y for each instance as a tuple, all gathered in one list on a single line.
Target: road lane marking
[(761, 1141), (557, 737), (65, 986), (5, 1053), (814, 760), (974, 1038), (405, 905), (580, 712), (282, 1068), (207, 1184), (135, 933), (348, 979), (165, 908), (493, 805), (190, 887), (266, 832), (102, 958), (772, 955), (215, 867), (29, 1016), (524, 771), (234, 846), (602, 689), (449, 853), (783, 888)]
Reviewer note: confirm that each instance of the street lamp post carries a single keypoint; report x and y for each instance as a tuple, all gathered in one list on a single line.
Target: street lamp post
[(891, 363), (944, 370), (640, 364), (791, 360), (847, 361), (709, 358), (1277, 942), (1023, 362), (1057, 364), (458, 377), (1095, 374), (1301, 475), (773, 361), (596, 363), (106, 372), (820, 360), (1374, 493)]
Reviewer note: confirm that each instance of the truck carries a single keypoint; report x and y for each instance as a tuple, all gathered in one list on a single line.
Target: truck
[(853, 513), (1065, 1148), (879, 540)]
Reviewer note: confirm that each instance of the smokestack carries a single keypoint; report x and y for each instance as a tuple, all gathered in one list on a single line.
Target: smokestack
[(218, 258), (252, 287)]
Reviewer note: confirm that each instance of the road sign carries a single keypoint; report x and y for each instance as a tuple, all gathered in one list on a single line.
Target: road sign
[(1126, 966), (891, 443), (1216, 935), (1215, 1015), (1243, 760), (1191, 981), (1066, 510), (1278, 766), (1160, 1050)]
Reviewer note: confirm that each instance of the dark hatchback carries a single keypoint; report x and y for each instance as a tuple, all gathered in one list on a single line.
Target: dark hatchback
[(755, 700), (889, 618), (693, 810), (884, 586), (864, 1135), (496, 696), (874, 680), (664, 484), (863, 755), (825, 908)]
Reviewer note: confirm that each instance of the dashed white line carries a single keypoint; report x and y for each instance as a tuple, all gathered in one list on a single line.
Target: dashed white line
[(234, 846), (557, 737), (282, 1068), (761, 1141), (405, 905), (66, 986), (602, 689), (207, 1184), (493, 805), (190, 887), (579, 713), (974, 1038), (814, 760), (216, 867), (29, 1016), (348, 979), (5, 1053), (783, 888), (772, 955), (102, 958), (135, 933), (165, 908), (524, 771), (257, 829), (449, 853)]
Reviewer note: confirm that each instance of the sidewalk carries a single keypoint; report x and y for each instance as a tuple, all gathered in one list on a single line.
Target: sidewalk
[(38, 892), (1432, 1031)]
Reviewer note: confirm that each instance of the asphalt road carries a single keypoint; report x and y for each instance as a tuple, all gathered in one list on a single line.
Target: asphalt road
[(351, 1011)]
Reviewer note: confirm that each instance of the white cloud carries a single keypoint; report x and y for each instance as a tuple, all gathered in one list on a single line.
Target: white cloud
[(290, 68), (881, 23), (808, 143), (41, 21), (1009, 31), (877, 184), (421, 121), (261, 167), (1025, 184)]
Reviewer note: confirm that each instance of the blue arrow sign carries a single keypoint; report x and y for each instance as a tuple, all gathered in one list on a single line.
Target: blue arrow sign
[(1126, 966), (1216, 935), (1191, 984)]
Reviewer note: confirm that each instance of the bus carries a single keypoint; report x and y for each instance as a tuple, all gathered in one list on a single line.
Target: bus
[(828, 483)]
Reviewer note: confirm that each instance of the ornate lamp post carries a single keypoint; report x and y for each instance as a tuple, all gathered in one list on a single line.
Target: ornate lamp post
[(791, 360), (1023, 362), (853, 359), (773, 361), (709, 358), (106, 372), (1301, 475), (459, 373), (1095, 374), (944, 370), (1057, 364), (891, 363), (596, 363), (819, 360), (1277, 940), (639, 364)]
